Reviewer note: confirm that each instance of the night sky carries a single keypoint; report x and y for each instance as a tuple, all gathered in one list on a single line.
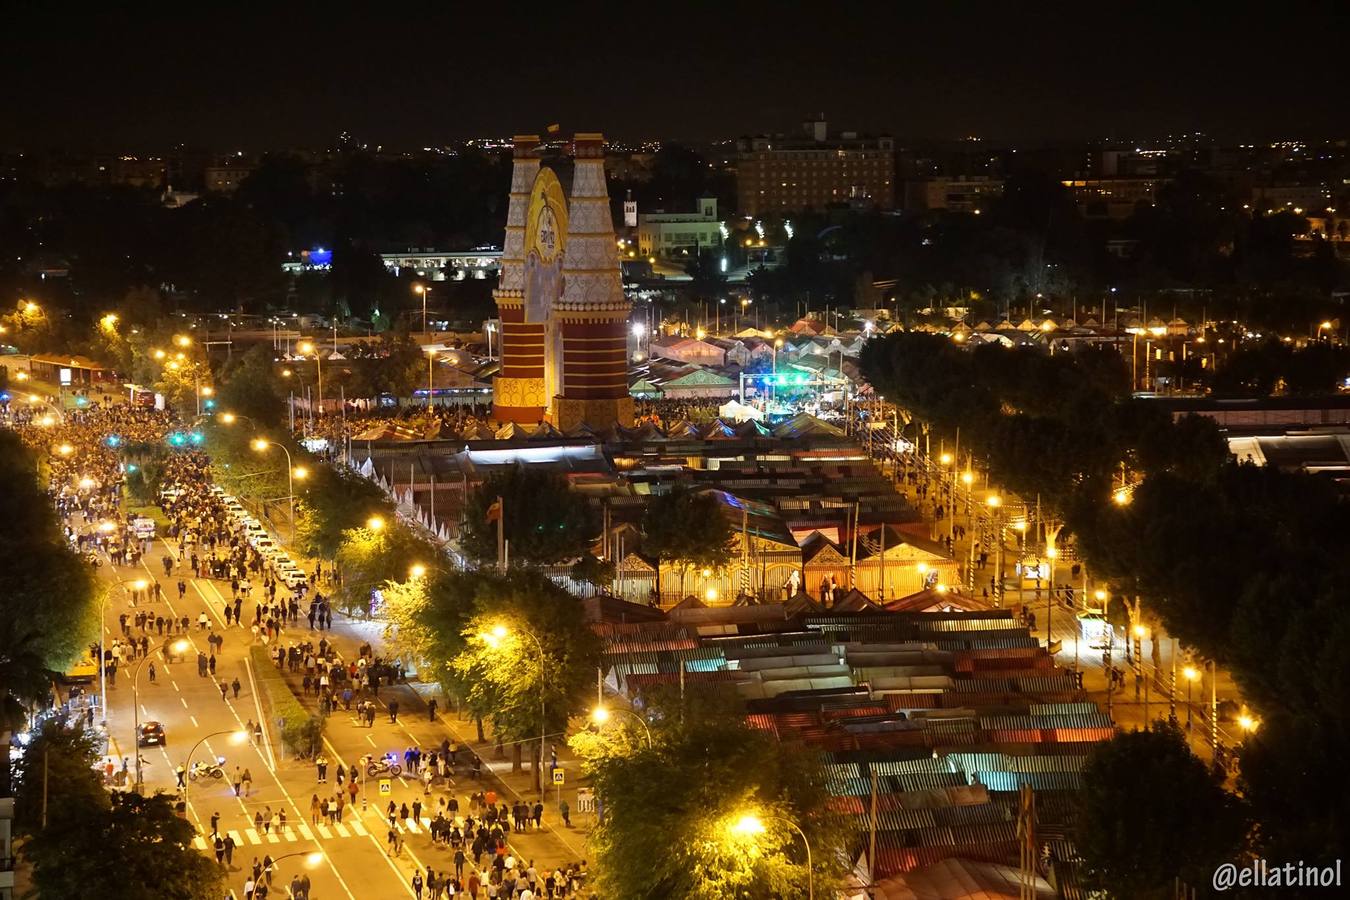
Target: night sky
[(216, 76)]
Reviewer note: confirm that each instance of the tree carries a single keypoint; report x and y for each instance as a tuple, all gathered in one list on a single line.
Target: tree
[(670, 810), (370, 558), (87, 833), (68, 754), (543, 520), (251, 387), (333, 501), (141, 839), (502, 675), (687, 528), (1150, 812), (599, 574), (426, 616), (49, 594)]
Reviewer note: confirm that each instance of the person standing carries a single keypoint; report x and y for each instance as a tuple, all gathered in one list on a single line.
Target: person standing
[(417, 885), (322, 765)]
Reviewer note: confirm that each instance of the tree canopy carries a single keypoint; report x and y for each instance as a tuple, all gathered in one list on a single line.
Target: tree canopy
[(1150, 812), (687, 528), (48, 595), (90, 833), (544, 521), (672, 810), (500, 672)]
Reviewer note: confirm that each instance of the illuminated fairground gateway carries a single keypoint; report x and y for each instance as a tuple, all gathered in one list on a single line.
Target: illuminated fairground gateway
[(563, 312)]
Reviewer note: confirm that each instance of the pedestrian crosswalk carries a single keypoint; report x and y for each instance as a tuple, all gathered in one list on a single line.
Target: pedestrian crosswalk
[(323, 831), (301, 832)]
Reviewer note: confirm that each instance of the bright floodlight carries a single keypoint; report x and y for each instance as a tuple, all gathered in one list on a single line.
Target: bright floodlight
[(140, 584), (305, 347), (599, 715), (375, 523), (300, 472), (86, 483), (639, 329), (993, 500), (239, 737), (417, 570), (1190, 673), (1121, 497), (180, 646), (259, 444)]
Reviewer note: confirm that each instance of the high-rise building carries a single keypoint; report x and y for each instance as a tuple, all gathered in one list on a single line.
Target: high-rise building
[(777, 173)]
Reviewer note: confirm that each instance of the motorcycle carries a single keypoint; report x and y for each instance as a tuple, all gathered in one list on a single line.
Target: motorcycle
[(382, 766), (206, 770)]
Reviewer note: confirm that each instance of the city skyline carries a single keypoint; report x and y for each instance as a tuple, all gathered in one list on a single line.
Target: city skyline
[(444, 77)]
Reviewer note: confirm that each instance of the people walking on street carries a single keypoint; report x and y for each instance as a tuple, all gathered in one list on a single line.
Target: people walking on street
[(393, 711)]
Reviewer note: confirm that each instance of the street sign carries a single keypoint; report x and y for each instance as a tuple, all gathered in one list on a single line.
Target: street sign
[(558, 777), (585, 800), (386, 787)]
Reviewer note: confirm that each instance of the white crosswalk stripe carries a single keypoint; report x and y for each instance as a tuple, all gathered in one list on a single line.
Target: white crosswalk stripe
[(359, 828), (253, 837), (238, 838), (305, 832), (272, 838), (199, 842), (291, 836), (324, 832), (342, 830)]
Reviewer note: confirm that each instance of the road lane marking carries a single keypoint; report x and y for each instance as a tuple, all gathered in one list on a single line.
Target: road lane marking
[(252, 836), (194, 721), (305, 832), (324, 832), (358, 827), (272, 838), (342, 830)]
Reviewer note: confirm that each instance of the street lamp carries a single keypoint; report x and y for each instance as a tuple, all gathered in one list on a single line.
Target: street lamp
[(237, 736), (312, 858), (494, 639), (179, 648), (375, 523), (304, 348), (261, 445), (416, 571), (750, 825), (1191, 674), (601, 715)]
